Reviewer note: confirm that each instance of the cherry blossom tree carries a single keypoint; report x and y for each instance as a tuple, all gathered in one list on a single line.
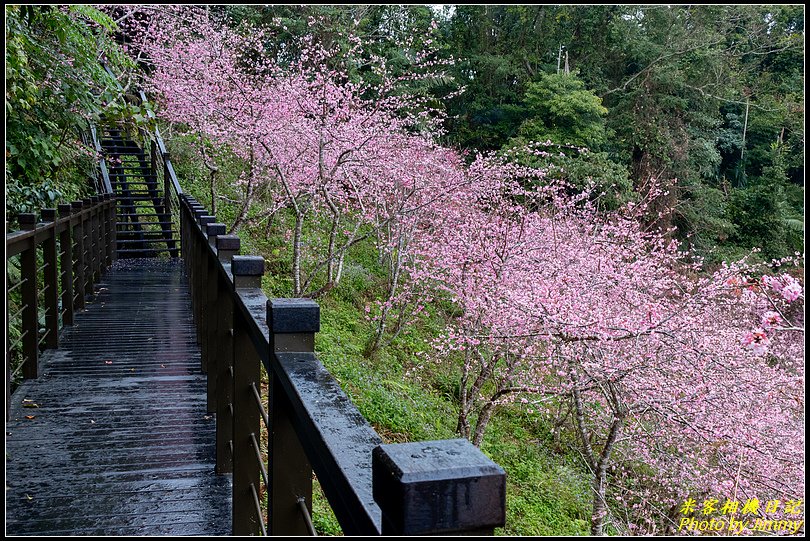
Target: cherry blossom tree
[(327, 145), (662, 364)]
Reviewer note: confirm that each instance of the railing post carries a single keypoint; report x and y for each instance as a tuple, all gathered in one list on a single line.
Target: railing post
[(97, 225), (167, 201), (202, 293), (292, 324), (227, 247), (113, 228), (191, 236), (184, 230), (89, 234), (78, 251), (29, 318), (212, 321), (50, 276), (66, 260), (196, 243), (101, 244), (153, 157), (182, 219), (106, 213), (8, 350), (103, 221), (91, 243), (194, 275), (247, 275), (438, 487)]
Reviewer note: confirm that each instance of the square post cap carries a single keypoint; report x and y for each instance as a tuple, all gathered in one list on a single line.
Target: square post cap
[(247, 265), (27, 220), (435, 487), (215, 229), (228, 243), (293, 316)]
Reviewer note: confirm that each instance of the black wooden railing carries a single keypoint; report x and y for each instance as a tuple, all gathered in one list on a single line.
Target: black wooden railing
[(102, 180), (412, 488), (62, 253), (161, 162)]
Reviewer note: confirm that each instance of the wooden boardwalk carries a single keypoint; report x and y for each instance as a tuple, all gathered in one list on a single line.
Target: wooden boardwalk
[(114, 438)]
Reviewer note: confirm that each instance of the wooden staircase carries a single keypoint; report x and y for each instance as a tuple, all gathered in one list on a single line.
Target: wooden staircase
[(144, 225)]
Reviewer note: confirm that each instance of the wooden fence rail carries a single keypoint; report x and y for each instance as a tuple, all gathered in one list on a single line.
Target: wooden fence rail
[(437, 487), (75, 244)]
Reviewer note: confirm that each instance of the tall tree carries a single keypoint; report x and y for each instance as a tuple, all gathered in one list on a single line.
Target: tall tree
[(55, 84)]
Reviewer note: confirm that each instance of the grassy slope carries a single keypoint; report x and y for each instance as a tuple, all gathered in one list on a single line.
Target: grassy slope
[(547, 492)]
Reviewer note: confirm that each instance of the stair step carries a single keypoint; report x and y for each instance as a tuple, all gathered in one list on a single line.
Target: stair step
[(117, 140), (145, 240), (145, 250), (124, 197), (158, 234), (143, 223), (126, 180), (135, 180), (162, 228), (147, 235), (141, 214), (149, 232)]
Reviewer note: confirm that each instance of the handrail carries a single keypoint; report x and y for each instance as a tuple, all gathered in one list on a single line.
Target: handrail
[(77, 245), (102, 163), (161, 145), (416, 488)]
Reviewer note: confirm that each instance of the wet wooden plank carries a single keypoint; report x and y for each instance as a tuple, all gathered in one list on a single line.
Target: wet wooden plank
[(114, 437)]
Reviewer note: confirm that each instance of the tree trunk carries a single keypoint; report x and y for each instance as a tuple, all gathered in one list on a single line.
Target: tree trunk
[(599, 483), (299, 228), (213, 195), (392, 288), (463, 426), (330, 265), (483, 420), (599, 508), (248, 195)]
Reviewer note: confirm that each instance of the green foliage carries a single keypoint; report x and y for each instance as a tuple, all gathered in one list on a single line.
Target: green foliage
[(393, 32), (769, 211), (563, 111), (678, 83), (579, 168), (55, 84)]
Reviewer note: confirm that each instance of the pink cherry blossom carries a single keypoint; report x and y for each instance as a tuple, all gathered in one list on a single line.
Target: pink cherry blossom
[(757, 341), (792, 291), (771, 319)]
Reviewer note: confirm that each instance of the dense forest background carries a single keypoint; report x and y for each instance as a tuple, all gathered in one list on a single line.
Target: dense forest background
[(708, 99)]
